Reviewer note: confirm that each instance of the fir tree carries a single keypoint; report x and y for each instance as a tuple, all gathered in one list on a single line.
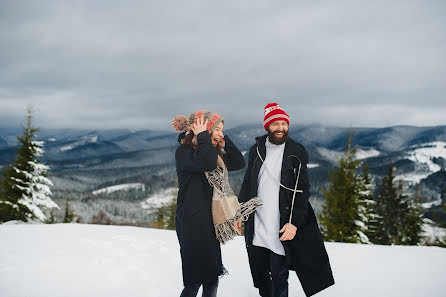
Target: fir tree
[(395, 209), (165, 215), (366, 207), (441, 241), (51, 219), (25, 189), (375, 226), (413, 221), (340, 218), (69, 216)]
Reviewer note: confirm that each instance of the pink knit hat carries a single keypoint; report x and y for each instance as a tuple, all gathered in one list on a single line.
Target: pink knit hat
[(181, 123), (273, 112)]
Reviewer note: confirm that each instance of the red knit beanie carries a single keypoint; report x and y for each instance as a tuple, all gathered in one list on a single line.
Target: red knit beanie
[(273, 112)]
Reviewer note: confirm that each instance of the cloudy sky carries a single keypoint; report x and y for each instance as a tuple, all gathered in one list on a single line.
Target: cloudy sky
[(137, 64)]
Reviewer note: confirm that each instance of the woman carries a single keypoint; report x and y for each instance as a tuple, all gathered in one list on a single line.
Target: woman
[(197, 159)]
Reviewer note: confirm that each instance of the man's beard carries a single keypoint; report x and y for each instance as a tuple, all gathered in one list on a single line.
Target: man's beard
[(275, 140)]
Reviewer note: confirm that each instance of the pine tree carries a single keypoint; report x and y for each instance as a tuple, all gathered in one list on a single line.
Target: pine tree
[(69, 216), (25, 189), (413, 221), (165, 215), (393, 206), (366, 206), (375, 227), (340, 217), (51, 219), (441, 241)]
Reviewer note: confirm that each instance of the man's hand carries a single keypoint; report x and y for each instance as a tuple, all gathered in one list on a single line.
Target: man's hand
[(289, 231), (238, 226)]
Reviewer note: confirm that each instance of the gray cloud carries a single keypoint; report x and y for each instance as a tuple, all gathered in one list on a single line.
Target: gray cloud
[(110, 64)]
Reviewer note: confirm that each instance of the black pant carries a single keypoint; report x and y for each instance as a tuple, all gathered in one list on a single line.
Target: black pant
[(209, 290), (269, 271)]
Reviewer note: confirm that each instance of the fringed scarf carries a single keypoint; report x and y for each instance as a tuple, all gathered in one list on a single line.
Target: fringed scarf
[(226, 209)]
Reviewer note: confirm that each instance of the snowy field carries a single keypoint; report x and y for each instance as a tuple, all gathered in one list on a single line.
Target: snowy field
[(76, 260)]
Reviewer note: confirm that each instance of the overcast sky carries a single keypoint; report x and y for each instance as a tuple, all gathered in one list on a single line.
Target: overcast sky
[(137, 64)]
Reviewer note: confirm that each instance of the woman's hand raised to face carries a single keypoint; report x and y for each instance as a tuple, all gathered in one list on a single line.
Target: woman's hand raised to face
[(199, 126)]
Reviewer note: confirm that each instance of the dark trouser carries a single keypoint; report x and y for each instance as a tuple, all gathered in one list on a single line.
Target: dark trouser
[(209, 290), (269, 271)]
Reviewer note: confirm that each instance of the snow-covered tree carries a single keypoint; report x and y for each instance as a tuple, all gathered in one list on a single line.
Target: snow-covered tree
[(366, 205), (373, 221), (25, 189)]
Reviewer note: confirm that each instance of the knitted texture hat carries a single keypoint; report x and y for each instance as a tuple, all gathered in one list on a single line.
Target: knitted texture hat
[(181, 123), (273, 112)]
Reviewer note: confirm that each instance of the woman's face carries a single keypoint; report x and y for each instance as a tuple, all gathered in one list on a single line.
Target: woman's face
[(217, 134)]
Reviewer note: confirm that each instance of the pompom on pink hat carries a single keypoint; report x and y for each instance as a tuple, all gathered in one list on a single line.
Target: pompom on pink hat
[(181, 123)]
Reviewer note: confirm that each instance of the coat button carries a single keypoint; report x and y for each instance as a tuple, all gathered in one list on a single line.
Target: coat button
[(287, 208)]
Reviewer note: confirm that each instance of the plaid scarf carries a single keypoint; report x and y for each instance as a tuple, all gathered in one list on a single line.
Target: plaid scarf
[(225, 206)]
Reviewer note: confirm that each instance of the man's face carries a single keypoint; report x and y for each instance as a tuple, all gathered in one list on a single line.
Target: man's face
[(278, 132)]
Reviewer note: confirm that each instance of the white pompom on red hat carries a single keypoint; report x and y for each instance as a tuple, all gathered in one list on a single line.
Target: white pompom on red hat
[(273, 112)]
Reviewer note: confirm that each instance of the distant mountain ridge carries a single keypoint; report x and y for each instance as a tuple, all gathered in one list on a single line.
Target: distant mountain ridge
[(83, 161)]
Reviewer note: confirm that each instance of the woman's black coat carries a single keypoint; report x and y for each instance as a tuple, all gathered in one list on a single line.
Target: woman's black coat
[(199, 247), (305, 253)]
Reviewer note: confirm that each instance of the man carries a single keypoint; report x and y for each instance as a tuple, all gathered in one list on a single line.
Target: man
[(282, 235)]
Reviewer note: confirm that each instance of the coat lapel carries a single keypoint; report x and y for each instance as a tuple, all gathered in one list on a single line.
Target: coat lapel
[(286, 153), (262, 150)]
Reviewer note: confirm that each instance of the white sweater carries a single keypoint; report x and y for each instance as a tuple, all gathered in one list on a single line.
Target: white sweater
[(267, 217)]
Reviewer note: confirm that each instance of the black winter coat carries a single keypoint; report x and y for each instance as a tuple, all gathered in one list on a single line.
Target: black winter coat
[(305, 253), (199, 247)]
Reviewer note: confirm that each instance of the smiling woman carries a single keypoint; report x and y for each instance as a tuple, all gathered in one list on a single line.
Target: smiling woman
[(208, 212)]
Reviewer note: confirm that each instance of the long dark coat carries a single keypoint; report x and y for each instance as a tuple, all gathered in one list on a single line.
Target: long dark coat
[(199, 247), (305, 253)]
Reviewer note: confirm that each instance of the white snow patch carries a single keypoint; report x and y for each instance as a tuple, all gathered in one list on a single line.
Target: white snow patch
[(412, 178), (85, 140), (431, 203), (52, 139), (93, 260), (244, 153), (122, 187), (426, 152), (312, 165), (159, 199), (333, 156), (364, 154), (432, 232)]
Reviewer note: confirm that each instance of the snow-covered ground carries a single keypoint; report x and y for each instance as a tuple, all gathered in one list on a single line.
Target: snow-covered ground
[(85, 140), (331, 155), (424, 154), (431, 203), (78, 260), (364, 154), (121, 187), (431, 231), (159, 199)]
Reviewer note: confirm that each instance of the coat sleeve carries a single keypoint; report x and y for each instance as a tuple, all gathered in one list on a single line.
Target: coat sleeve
[(205, 159), (245, 189), (301, 201), (233, 157)]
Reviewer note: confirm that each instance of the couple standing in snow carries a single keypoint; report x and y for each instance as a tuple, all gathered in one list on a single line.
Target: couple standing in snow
[(281, 230)]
